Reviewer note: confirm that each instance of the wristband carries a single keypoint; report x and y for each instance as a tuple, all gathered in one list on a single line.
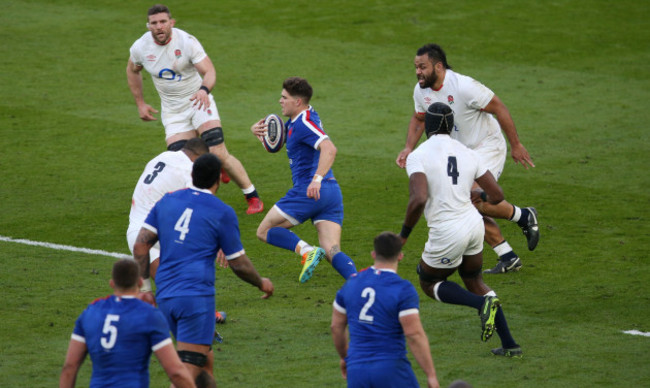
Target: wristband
[(483, 196), (146, 285), (203, 87), (406, 231), (318, 178)]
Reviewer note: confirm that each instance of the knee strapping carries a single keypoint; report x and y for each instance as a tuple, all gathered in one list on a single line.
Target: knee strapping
[(213, 137), (194, 358), (177, 145)]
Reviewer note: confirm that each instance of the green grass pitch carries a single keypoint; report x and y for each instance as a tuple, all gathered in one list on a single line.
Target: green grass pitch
[(574, 75)]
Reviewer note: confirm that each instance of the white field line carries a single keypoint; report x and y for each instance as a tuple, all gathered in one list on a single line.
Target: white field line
[(66, 248), (636, 332)]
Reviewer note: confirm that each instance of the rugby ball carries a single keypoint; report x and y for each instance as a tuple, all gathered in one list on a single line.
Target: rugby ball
[(275, 137)]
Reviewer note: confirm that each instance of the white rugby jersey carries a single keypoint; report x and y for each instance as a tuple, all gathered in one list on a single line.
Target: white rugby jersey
[(466, 97), (171, 67), (451, 169), (167, 172)]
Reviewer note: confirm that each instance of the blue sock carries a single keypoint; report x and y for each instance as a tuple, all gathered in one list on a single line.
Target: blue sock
[(282, 238), (523, 220), (450, 292), (344, 265), (507, 342)]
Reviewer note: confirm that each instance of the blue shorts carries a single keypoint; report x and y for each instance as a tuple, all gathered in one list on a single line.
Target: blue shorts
[(298, 206), (190, 318), (382, 374)]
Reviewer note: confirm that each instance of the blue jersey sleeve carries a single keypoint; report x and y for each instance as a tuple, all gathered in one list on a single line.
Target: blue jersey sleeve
[(229, 237), (159, 328), (78, 327), (409, 298)]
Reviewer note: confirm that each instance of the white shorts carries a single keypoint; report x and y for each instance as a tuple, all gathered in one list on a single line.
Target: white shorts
[(132, 235), (492, 154), (189, 119), (446, 248)]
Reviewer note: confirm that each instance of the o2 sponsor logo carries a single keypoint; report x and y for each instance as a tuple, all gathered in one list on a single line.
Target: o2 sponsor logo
[(169, 75)]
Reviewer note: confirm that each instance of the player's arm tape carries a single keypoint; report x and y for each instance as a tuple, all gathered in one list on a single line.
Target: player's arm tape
[(146, 285), (318, 178), (205, 88), (406, 231)]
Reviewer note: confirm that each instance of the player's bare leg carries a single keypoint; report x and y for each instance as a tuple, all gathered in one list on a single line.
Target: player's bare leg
[(526, 217), (212, 133), (508, 259), (329, 238), (194, 369), (232, 165), (173, 140)]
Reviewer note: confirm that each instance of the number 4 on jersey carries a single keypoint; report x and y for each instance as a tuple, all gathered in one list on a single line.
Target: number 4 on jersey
[(183, 223), (452, 169)]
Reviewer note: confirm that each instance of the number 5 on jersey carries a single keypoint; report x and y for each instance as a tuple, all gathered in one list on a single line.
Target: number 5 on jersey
[(183, 223)]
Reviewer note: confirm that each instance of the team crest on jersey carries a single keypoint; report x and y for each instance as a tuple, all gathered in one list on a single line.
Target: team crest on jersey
[(177, 53), (151, 57), (209, 112), (427, 100), (450, 99)]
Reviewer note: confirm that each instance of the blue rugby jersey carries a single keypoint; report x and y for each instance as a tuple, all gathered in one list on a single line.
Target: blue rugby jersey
[(373, 301), (304, 135), (120, 334), (192, 225)]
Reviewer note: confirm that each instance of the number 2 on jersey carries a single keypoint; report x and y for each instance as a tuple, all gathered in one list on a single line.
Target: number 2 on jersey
[(452, 169), (369, 293), (183, 223)]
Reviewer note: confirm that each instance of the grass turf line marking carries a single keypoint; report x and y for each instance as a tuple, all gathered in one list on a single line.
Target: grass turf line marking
[(65, 247), (636, 332)]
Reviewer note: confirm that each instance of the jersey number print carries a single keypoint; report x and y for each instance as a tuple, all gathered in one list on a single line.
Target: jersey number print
[(369, 293), (110, 330), (183, 223), (452, 169), (156, 170)]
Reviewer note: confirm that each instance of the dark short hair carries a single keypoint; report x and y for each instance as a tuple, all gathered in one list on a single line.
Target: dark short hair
[(435, 54), (387, 246), (196, 146), (159, 8), (298, 87), (206, 171), (125, 274)]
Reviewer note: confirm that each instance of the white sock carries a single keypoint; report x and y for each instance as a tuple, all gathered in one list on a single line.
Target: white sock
[(248, 190), (502, 248), (516, 215), (304, 247)]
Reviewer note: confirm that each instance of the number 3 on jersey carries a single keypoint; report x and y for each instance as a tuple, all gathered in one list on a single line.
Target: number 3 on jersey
[(183, 223)]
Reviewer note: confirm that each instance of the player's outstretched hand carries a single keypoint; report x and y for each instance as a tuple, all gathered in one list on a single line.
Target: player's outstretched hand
[(221, 259), (267, 288), (313, 190), (259, 129), (520, 155), (201, 99), (146, 112), (401, 158)]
